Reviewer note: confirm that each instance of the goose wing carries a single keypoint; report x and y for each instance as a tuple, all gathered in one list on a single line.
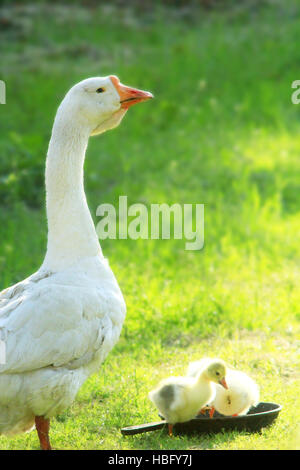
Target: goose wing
[(44, 323)]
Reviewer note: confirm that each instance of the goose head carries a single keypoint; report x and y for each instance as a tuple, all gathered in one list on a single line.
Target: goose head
[(216, 372), (100, 103)]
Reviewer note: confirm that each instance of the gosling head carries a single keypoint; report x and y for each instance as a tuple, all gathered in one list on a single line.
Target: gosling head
[(216, 372), (100, 103)]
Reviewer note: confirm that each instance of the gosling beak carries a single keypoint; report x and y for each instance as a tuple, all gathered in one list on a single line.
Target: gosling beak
[(223, 383), (128, 95)]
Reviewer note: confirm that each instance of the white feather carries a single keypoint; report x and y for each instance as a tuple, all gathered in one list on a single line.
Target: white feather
[(180, 399), (242, 393), (60, 323)]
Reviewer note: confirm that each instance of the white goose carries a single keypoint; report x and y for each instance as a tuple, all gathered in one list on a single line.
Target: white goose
[(180, 398), (59, 324), (241, 395)]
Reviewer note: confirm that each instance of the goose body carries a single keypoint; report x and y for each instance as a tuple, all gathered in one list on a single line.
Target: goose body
[(241, 395), (179, 399), (59, 324), (58, 327)]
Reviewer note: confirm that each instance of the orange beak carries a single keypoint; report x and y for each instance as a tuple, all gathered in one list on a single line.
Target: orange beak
[(223, 383), (128, 95)]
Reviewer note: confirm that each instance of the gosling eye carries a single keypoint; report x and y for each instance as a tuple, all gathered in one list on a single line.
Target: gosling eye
[(100, 90), (217, 373)]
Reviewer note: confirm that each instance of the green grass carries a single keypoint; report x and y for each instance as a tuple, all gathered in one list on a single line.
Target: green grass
[(222, 131)]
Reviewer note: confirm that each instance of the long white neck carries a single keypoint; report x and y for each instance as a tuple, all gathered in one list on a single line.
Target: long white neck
[(71, 232)]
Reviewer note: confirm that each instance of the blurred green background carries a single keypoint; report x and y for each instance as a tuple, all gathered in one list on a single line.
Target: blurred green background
[(222, 131)]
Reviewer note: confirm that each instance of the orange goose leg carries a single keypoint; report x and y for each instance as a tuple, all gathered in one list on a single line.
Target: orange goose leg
[(203, 410), (42, 426)]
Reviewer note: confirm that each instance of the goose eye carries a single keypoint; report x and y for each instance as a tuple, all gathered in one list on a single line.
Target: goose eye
[(100, 90)]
